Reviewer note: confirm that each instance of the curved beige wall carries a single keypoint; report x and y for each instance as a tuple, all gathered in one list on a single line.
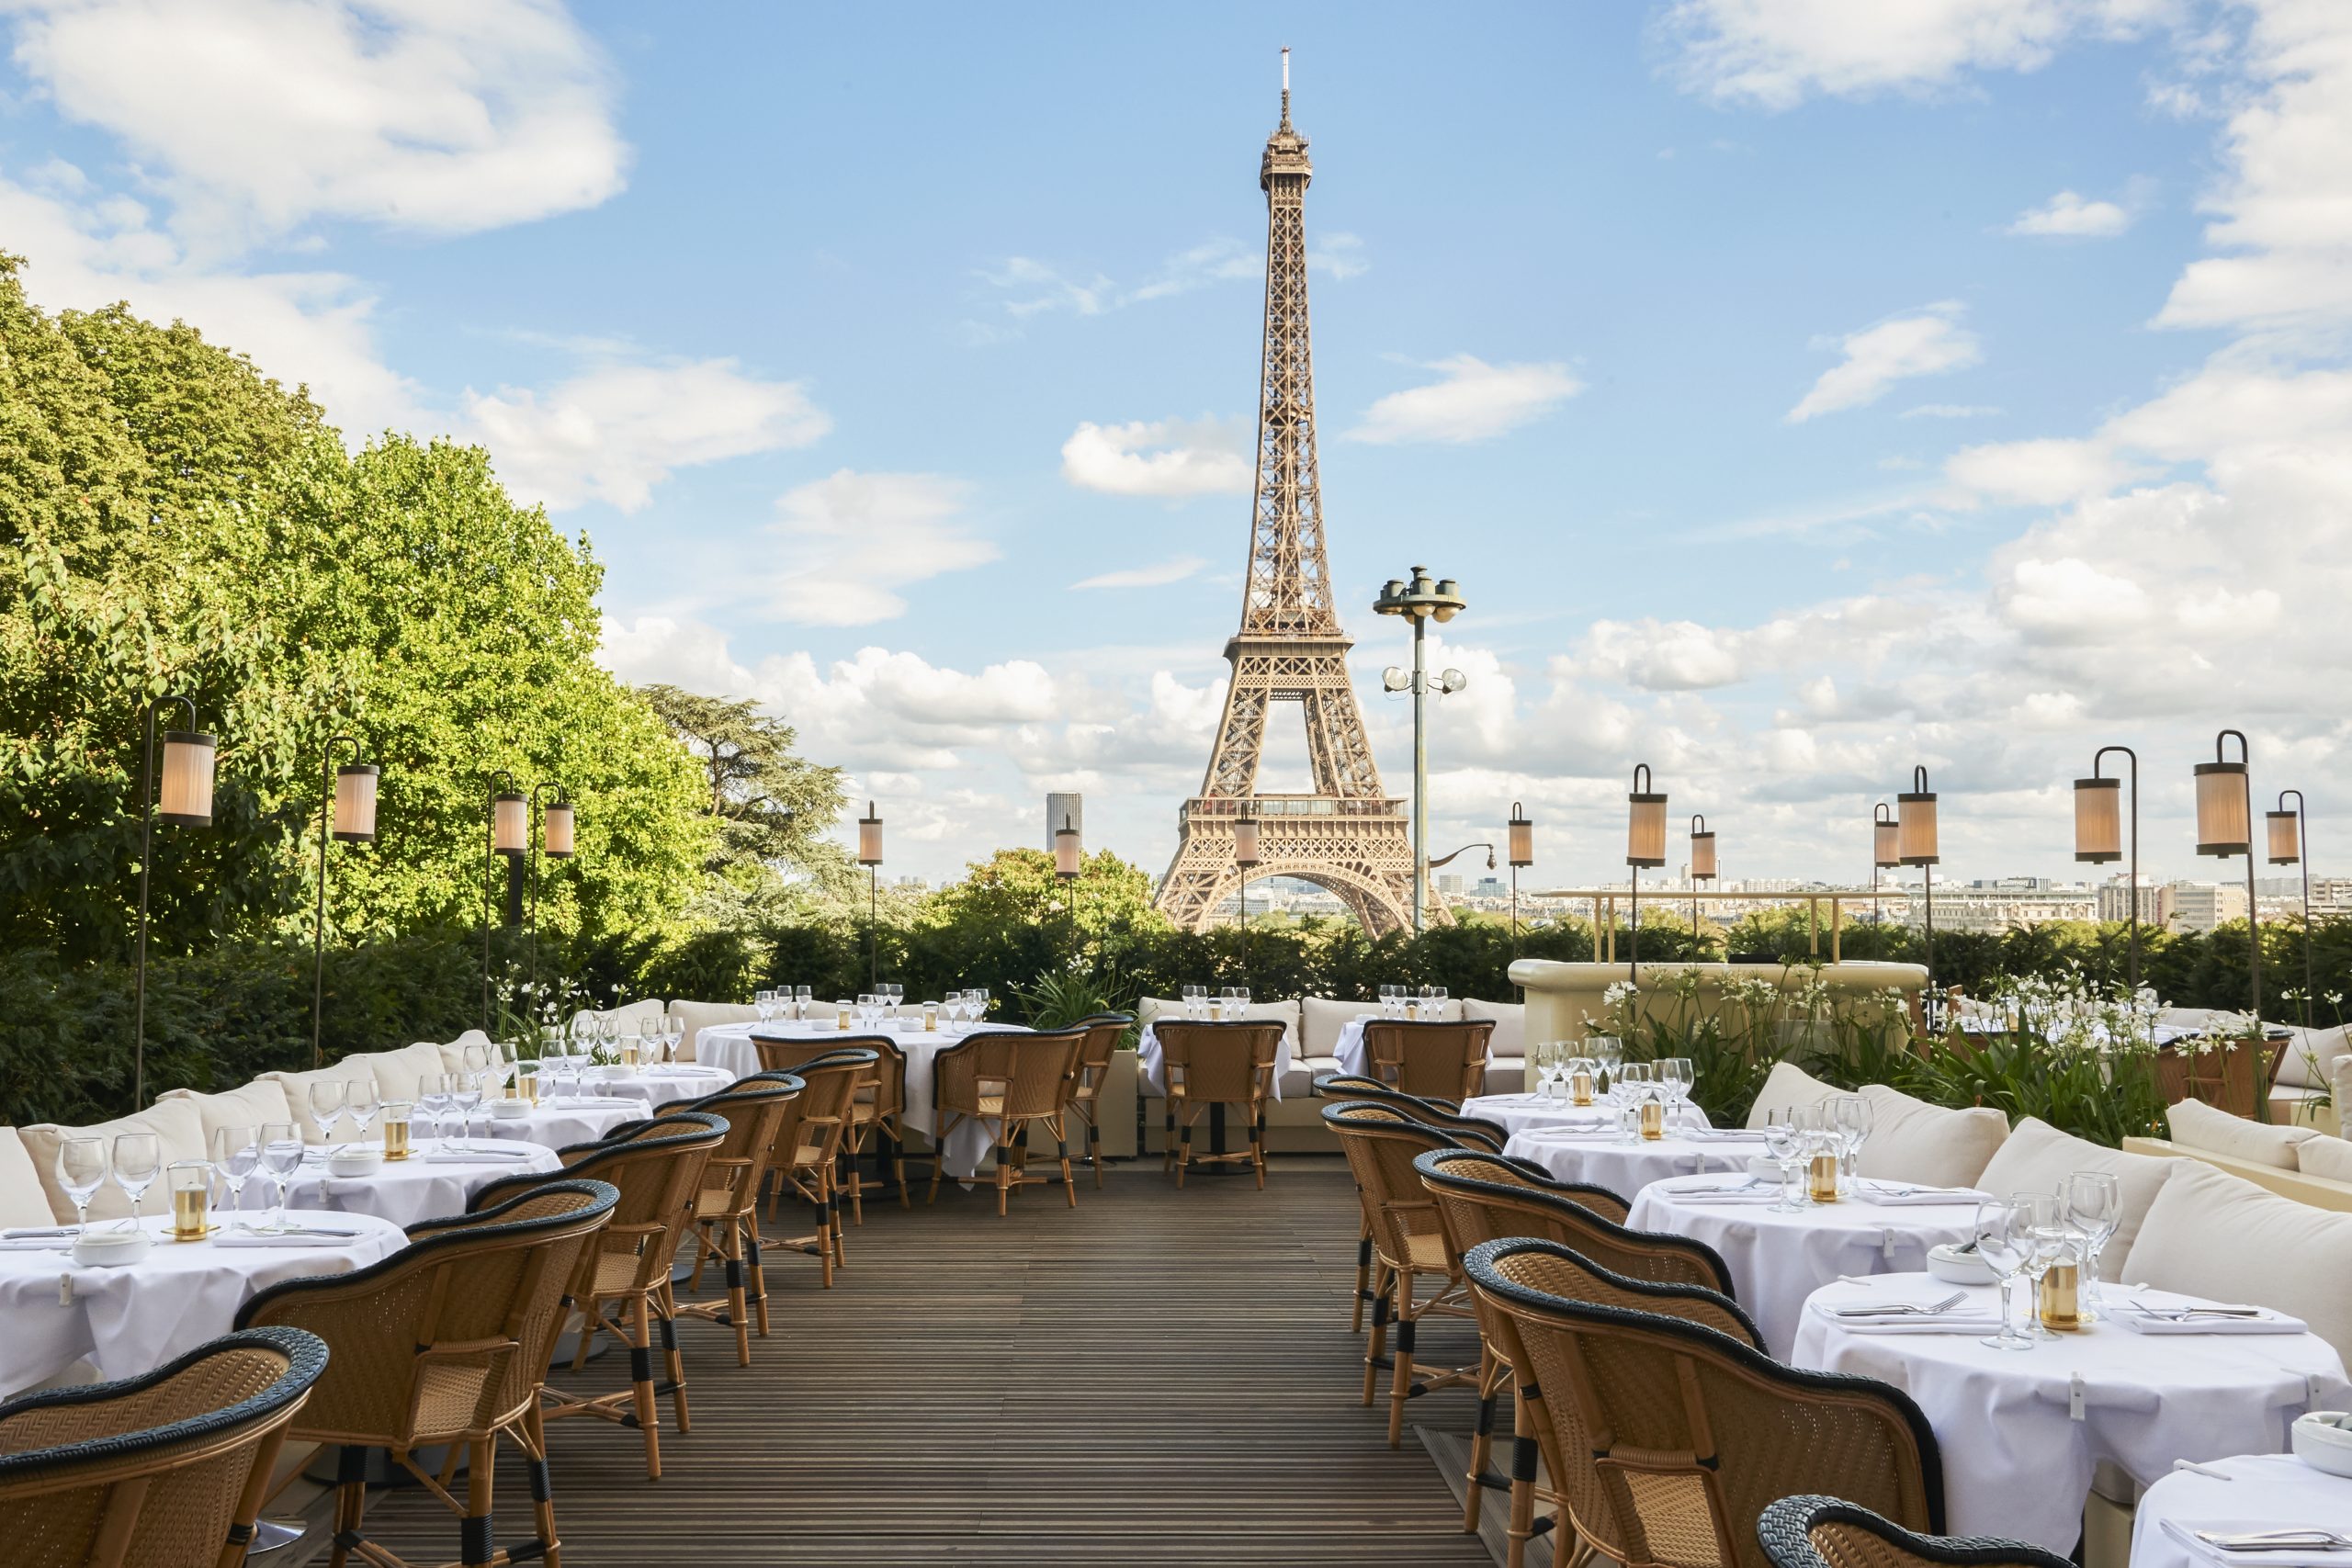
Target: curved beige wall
[(1559, 995)]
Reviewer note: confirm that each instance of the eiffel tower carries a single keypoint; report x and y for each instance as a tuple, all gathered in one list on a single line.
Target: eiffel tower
[(1349, 835)]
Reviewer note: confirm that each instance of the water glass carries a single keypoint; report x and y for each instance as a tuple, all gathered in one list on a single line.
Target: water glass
[(433, 1098), (1783, 1146), (801, 997), (281, 1156), (465, 1096), (326, 1106), (1675, 1076), (1610, 1051), (82, 1169), (138, 1160), (2004, 1235), (765, 1003), (2094, 1202), (980, 1004), (235, 1154), (1849, 1114)]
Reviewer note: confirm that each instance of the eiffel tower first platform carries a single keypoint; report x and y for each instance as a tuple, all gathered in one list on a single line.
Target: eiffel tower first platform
[(1349, 835)]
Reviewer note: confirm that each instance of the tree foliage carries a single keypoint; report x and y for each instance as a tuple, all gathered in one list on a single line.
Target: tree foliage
[(770, 807)]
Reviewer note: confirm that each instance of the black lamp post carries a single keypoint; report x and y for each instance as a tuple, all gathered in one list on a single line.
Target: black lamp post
[(1069, 861), (1521, 839), (1245, 860), (2225, 828), (350, 792), (186, 801), (1885, 836), (869, 855), (2286, 831), (1645, 845), (507, 834), (1702, 869), (2099, 833), (1420, 600), (558, 839), (1915, 843)]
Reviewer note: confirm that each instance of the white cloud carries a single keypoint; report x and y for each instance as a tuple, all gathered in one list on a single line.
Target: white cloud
[(2069, 215), (1340, 254), (1169, 457), (1474, 401), (1925, 342), (1043, 288), (864, 536), (1951, 410), (2041, 472), (1038, 287), (1158, 576), (613, 433), (260, 115)]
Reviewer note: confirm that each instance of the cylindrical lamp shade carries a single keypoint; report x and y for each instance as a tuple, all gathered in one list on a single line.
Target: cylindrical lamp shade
[(354, 802), (188, 756), (1702, 856), (2098, 819), (510, 825), (1067, 850), (1645, 829), (2286, 847), (869, 837), (2222, 828), (1886, 844), (1522, 836), (1245, 841), (560, 831), (1915, 836)]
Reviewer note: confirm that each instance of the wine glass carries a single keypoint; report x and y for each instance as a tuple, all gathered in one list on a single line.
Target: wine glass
[(138, 1160), (765, 1003), (801, 997), (432, 1099), (1849, 1114), (1784, 1146), (2004, 1235), (980, 1004), (1675, 1077), (281, 1156), (326, 1106), (951, 1008), (465, 1096), (1610, 1051), (235, 1154), (81, 1169), (2094, 1200), (360, 1103)]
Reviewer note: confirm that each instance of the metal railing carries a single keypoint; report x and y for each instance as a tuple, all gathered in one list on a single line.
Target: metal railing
[(1269, 805), (1603, 903)]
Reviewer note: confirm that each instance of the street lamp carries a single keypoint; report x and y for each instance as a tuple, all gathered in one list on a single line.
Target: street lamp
[(1421, 601), (1915, 844), (189, 760), (558, 834), (1645, 845), (2098, 833), (2286, 831), (350, 792), (1885, 854), (1521, 839), (1069, 860), (1702, 869), (2225, 828), (1245, 860), (869, 855), (510, 835)]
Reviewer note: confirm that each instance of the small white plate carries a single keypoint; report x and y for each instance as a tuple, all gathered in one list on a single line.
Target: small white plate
[(510, 1110), (111, 1248), (1948, 1262), (356, 1162)]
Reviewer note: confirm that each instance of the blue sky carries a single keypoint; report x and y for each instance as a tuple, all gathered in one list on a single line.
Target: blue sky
[(1797, 393)]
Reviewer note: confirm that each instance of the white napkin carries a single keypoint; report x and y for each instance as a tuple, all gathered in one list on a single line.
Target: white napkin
[(1724, 1192), (256, 1238), (2185, 1531), (481, 1156), (1958, 1322), (1721, 1135), (1898, 1194), (2268, 1323), (1570, 1132), (1971, 1316), (36, 1244)]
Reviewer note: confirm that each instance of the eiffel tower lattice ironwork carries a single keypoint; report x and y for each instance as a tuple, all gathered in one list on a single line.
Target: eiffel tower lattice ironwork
[(1348, 835)]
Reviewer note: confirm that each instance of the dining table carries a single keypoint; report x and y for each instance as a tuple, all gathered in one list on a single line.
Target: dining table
[(2150, 1383), (438, 1179), (2241, 1494), (132, 1317), (1527, 1111), (1597, 1153)]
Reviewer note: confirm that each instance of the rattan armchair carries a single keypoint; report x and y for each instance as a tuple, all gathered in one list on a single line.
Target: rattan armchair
[(624, 1288), (805, 1160), (1008, 1083), (1829, 1532), (1360, 1086), (1667, 1438), (446, 1342), (726, 1220), (1408, 1246), (878, 1105), (1448, 1059), (1208, 1064), (1103, 1033), (162, 1471)]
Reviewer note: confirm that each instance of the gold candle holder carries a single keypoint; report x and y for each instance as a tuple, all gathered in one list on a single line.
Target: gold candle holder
[(1821, 1177), (929, 1019), (2061, 1298), (1652, 1120), (396, 1130), (526, 1085), (631, 1049), (1580, 1088), (840, 1017), (191, 1187)]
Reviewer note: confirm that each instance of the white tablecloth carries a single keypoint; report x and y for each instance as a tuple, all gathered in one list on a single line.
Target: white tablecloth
[(1596, 1155), (1153, 1069), (1525, 1112), (2016, 1461), (2279, 1490), (134, 1319), (560, 1126), (657, 1087), (403, 1192), (1777, 1260)]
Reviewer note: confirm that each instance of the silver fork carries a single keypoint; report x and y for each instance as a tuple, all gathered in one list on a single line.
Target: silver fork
[(1906, 1308), (2277, 1541), (2174, 1312)]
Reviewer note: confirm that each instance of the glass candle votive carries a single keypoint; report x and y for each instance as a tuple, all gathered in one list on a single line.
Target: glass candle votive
[(1652, 1120), (396, 1114), (1580, 1088), (930, 1017), (842, 1010), (1821, 1177), (633, 1049), (526, 1083), (191, 1188), (2061, 1298)]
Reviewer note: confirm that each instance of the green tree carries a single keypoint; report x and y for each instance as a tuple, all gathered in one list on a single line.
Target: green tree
[(771, 808)]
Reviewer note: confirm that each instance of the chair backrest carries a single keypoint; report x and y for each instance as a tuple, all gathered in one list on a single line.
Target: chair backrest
[(1668, 1438), (1481, 1198), (1103, 1033), (886, 1077), (1362, 1086), (1033, 1072), (752, 1110), (1829, 1532), (1228, 1063), (1476, 1131), (448, 1338), (814, 1122), (1448, 1059), (167, 1469), (658, 1169), (1381, 1142)]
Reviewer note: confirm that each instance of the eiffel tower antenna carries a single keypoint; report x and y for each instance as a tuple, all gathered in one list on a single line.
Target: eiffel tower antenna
[(1347, 834)]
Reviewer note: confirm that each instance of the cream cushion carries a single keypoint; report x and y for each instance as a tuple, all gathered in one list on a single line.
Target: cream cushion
[(22, 1200), (1786, 1088), (1911, 1139), (630, 1014), (179, 1135), (397, 1072), (1510, 1018), (258, 1101), (2340, 1085), (2201, 1126), (2309, 1061), (297, 1089), (2037, 1156), (453, 1053), (1321, 1019), (2324, 1155), (1150, 1008), (699, 1016), (2212, 1234)]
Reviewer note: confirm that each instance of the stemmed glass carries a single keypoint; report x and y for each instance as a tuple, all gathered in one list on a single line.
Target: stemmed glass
[(465, 1096), (81, 1169), (1388, 1001), (765, 1003), (138, 1160), (895, 994), (801, 997), (979, 999), (281, 1156), (951, 1009), (234, 1156), (2005, 1241), (432, 1099), (1634, 1076), (1850, 1115), (360, 1103), (2094, 1203), (326, 1107), (1610, 1051), (1675, 1077), (1784, 1146)]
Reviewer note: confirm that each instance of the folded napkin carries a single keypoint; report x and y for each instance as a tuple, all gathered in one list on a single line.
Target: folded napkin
[(1570, 1132), (2152, 1322), (2185, 1531), (1896, 1194), (1959, 1321), (1724, 1192), (478, 1157), (1720, 1136), (258, 1238), (36, 1243), (29, 1232)]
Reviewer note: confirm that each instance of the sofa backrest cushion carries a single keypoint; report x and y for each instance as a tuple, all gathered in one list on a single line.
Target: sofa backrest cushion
[(1321, 1019), (629, 1013), (2324, 1155), (2309, 1061), (2202, 1126), (1912, 1140), (1150, 1008), (297, 1086), (23, 1202), (398, 1072), (1786, 1088), (2212, 1234), (699, 1016), (2037, 1158), (264, 1100), (1510, 1018), (179, 1135)]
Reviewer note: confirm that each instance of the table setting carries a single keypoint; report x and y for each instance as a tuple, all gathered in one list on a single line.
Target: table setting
[(2257, 1510), (1398, 1004), (1228, 1004), (432, 1180)]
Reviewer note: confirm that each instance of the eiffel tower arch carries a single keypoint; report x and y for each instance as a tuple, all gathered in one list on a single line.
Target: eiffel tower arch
[(1348, 835)]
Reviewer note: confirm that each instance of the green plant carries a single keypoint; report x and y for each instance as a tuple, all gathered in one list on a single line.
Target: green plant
[(1059, 999), (2073, 1057)]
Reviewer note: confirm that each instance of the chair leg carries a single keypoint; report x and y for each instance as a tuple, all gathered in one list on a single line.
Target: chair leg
[(1184, 1158), (857, 1185), (739, 1304), (1070, 1183), (1482, 1439), (535, 1440), (1376, 1348), (476, 1542), (940, 1129), (1522, 1484), (1258, 1147), (1400, 1374), (665, 1307), (759, 1273), (826, 1220), (1167, 1135), (898, 1164), (1363, 1277), (1003, 1171), (837, 1232), (640, 1374), (1095, 1150), (350, 1500)]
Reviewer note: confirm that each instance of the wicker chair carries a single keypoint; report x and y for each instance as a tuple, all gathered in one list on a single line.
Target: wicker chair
[(659, 1173), (1448, 1059), (805, 1157), (1009, 1083), (1829, 1533), (162, 1471), (1358, 1085), (446, 1342), (726, 1219), (1218, 1064), (878, 1105), (1667, 1438), (1380, 1142), (1103, 1033)]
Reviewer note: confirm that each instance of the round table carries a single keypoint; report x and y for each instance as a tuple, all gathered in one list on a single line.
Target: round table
[(560, 1126), (1597, 1154), (672, 1083), (1151, 1066), (134, 1319), (1778, 1259), (1526, 1112), (2022, 1431), (433, 1183), (2253, 1491)]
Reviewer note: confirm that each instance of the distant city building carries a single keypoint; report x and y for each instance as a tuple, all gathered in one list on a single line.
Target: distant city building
[(911, 884), (1448, 882), (2201, 906), (1490, 888), (1064, 805), (2156, 901), (1979, 907)]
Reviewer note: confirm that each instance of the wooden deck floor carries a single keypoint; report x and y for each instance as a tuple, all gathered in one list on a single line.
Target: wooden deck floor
[(1155, 1378)]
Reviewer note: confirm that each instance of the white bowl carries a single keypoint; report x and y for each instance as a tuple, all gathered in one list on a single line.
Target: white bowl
[(2322, 1444), (354, 1162), (510, 1110), (111, 1248), (1949, 1263)]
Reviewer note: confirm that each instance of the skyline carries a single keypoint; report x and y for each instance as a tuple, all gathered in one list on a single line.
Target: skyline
[(1795, 398)]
